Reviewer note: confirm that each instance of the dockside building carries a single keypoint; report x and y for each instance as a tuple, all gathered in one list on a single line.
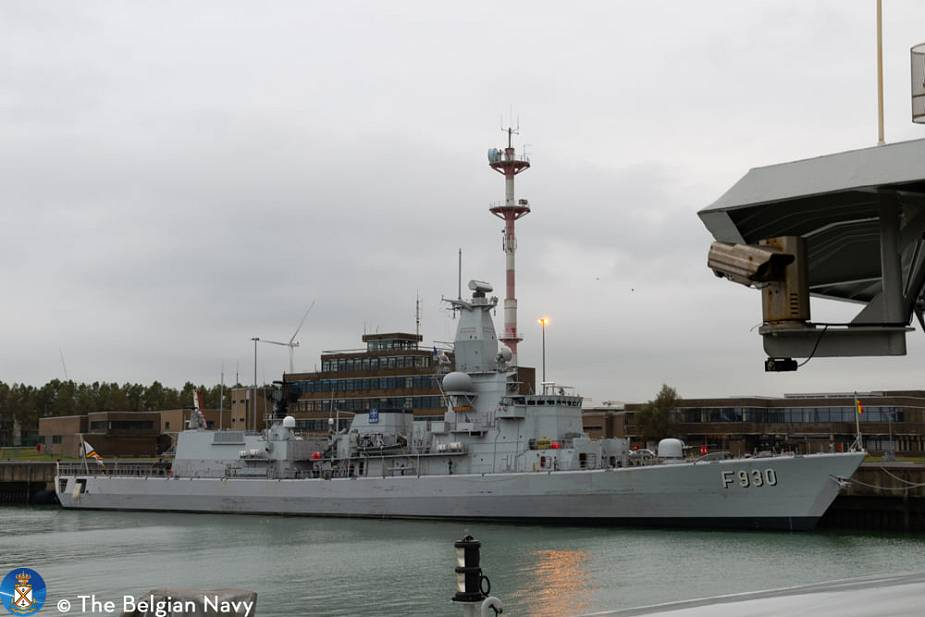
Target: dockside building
[(393, 372), (800, 422)]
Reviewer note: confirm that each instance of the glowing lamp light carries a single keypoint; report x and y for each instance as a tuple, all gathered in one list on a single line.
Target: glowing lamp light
[(555, 445), (704, 450), (316, 456), (543, 321)]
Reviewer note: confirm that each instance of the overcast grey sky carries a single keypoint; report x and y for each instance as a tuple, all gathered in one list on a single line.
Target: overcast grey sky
[(179, 177)]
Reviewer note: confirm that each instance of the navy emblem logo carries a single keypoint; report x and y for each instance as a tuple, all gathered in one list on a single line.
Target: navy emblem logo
[(22, 591)]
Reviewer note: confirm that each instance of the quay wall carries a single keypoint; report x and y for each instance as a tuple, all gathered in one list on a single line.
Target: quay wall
[(25, 482), (881, 497)]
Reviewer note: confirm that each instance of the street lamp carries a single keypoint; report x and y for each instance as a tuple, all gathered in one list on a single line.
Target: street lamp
[(544, 321)]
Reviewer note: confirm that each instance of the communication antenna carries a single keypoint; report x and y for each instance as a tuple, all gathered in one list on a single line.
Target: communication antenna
[(417, 313), (63, 365), (508, 162)]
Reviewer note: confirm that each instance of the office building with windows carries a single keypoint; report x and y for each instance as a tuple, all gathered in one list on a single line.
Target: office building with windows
[(392, 373), (891, 420)]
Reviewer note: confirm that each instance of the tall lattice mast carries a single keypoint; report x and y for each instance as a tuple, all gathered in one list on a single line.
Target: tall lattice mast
[(507, 163)]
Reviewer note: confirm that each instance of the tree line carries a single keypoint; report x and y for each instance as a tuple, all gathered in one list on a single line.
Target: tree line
[(28, 403), (654, 421)]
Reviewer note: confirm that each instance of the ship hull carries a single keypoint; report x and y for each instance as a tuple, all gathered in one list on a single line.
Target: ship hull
[(787, 492)]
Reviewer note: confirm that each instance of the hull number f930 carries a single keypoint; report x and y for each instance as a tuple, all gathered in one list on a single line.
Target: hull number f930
[(750, 478)]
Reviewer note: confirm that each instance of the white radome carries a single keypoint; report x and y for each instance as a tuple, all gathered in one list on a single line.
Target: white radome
[(671, 448), (458, 383)]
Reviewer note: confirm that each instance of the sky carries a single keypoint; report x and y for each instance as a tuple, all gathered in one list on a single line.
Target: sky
[(179, 177)]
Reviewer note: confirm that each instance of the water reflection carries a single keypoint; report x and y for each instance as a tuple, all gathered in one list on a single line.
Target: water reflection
[(554, 582)]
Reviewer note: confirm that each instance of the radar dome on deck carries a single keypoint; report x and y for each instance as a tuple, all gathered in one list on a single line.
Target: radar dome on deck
[(504, 353), (288, 422), (671, 448), (458, 383)]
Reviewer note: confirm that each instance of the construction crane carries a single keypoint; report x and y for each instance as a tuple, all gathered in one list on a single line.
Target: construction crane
[(292, 344)]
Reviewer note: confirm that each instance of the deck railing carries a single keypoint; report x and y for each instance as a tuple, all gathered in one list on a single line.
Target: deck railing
[(134, 470)]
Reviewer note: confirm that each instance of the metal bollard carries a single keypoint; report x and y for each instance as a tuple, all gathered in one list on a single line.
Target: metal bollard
[(473, 587)]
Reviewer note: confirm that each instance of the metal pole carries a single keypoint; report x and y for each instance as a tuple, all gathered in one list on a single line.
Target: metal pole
[(880, 140), (857, 423), (254, 398), (221, 401), (543, 323), (83, 450), (889, 418)]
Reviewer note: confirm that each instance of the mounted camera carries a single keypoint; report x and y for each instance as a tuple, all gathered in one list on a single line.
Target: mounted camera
[(747, 264)]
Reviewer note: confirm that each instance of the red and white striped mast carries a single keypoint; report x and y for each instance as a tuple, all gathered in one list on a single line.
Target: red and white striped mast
[(507, 163)]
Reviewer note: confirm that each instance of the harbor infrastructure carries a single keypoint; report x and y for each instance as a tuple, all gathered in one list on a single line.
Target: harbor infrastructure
[(891, 421), (898, 595)]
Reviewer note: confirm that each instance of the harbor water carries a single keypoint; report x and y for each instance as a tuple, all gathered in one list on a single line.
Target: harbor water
[(328, 567)]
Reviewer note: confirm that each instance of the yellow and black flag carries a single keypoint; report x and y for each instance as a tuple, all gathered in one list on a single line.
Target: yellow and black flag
[(89, 452)]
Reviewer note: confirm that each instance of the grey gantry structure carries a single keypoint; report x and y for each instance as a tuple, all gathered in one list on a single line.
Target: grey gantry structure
[(846, 226)]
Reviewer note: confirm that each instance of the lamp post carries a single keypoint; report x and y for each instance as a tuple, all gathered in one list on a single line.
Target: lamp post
[(254, 397), (544, 321)]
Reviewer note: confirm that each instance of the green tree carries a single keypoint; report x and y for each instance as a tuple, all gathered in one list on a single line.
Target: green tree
[(654, 420), (154, 396), (135, 396)]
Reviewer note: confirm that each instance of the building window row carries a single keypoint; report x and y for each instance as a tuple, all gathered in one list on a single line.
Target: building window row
[(388, 344), (365, 404), (791, 415), (122, 425), (320, 426), (360, 385), (334, 365)]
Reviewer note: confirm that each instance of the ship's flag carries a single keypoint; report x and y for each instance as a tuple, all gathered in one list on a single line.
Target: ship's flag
[(89, 452), (857, 406)]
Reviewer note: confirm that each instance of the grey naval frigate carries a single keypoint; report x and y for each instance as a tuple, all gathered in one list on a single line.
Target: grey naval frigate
[(497, 454)]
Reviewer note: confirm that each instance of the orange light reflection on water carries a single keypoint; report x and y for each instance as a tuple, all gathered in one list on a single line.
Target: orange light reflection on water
[(560, 584)]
